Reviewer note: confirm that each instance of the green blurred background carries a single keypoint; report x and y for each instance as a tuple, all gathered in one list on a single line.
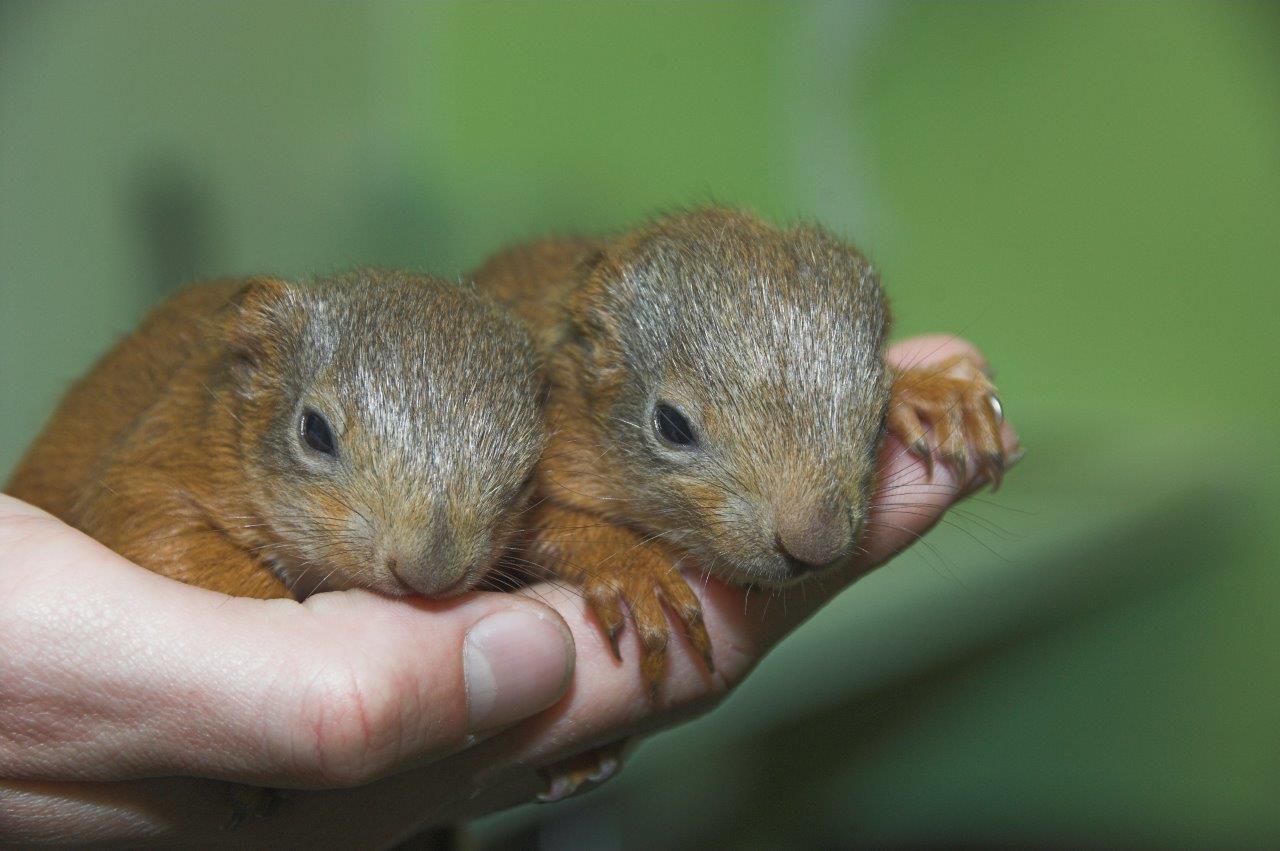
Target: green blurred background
[(1089, 191)]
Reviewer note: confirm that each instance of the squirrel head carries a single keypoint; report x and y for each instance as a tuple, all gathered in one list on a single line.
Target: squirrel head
[(389, 425), (736, 385)]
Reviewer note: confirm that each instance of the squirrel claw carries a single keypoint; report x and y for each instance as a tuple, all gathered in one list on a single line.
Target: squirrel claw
[(920, 449), (995, 467), (611, 634), (701, 641), (604, 599), (707, 658)]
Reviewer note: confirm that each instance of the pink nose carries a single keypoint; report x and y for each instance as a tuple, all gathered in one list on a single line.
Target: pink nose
[(811, 538), (434, 568)]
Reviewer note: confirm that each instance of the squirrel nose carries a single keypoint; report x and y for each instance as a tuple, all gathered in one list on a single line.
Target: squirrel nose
[(431, 574), (811, 539), (429, 555)]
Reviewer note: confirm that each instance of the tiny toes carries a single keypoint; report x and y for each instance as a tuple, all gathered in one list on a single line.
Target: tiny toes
[(684, 604), (957, 400), (655, 634), (993, 466), (606, 605), (653, 665), (702, 643), (567, 778)]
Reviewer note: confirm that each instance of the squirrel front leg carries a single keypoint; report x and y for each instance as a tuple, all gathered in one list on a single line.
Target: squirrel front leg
[(185, 548), (958, 401), (616, 566), (211, 561)]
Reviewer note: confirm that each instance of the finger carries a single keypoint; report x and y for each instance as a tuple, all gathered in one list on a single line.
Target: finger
[(130, 813), (933, 349), (911, 498), (112, 672), (496, 773)]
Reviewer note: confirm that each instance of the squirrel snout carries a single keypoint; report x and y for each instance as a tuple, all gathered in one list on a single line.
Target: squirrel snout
[(432, 573), (811, 538), (431, 555)]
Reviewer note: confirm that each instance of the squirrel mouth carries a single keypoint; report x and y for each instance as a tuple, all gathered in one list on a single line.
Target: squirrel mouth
[(798, 569), (401, 587)]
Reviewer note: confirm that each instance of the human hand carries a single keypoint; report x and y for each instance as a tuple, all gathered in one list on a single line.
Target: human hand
[(609, 701), (128, 699), (151, 678)]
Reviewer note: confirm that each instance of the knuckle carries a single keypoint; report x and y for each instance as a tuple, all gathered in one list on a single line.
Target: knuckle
[(350, 728)]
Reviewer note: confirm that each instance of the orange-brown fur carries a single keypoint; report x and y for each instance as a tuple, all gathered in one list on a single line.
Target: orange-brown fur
[(162, 369)]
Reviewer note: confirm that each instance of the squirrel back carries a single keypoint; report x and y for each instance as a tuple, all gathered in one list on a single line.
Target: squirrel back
[(102, 404)]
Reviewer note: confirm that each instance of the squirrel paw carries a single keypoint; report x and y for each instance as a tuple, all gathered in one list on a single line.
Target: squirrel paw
[(959, 403), (649, 585), (568, 777)]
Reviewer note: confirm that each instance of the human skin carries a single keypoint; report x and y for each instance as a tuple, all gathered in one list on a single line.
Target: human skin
[(127, 700)]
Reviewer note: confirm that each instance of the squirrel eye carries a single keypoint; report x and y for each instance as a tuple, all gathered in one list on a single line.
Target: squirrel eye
[(317, 434), (672, 426)]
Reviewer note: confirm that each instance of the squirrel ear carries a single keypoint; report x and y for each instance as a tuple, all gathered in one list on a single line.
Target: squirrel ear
[(256, 317), (594, 316), (589, 305), (590, 262)]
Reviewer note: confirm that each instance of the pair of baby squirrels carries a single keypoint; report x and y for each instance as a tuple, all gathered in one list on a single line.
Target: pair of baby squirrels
[(707, 391)]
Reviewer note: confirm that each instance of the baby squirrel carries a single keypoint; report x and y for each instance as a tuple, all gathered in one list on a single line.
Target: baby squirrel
[(718, 398), (271, 439)]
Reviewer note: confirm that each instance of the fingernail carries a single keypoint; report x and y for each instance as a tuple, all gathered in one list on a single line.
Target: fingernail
[(516, 663)]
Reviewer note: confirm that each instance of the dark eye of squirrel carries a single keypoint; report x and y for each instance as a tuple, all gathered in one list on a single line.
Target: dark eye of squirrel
[(672, 426), (317, 434)]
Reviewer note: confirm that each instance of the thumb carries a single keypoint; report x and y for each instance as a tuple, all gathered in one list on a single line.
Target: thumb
[(400, 683), (112, 672)]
